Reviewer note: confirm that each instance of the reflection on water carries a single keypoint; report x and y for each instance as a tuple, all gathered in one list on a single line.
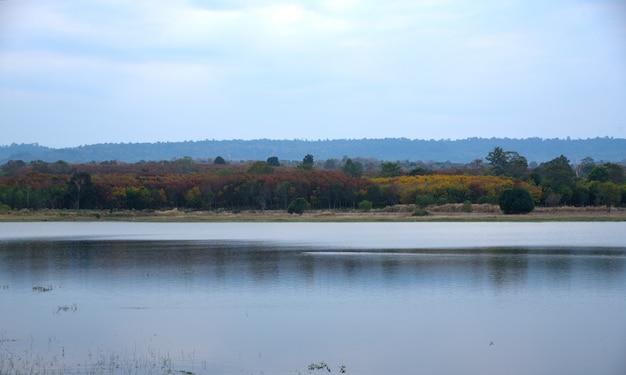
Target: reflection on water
[(232, 307)]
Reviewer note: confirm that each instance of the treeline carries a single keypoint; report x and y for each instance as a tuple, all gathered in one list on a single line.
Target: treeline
[(456, 151), (329, 184)]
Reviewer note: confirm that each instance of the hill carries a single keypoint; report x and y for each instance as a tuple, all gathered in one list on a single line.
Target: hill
[(392, 149)]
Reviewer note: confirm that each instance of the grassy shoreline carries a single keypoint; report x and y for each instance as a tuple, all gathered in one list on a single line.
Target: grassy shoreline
[(450, 213)]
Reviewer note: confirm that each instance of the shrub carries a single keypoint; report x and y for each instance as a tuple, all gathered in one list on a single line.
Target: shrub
[(488, 199), (365, 206), (298, 206), (516, 201), (467, 206), (424, 200), (420, 212)]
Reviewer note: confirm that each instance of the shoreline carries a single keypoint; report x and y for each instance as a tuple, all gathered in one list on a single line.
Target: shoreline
[(399, 214)]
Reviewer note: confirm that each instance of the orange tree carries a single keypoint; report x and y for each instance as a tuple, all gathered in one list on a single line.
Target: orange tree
[(453, 188)]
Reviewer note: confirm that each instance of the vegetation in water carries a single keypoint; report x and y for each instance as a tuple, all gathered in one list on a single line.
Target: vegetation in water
[(322, 366), (96, 363), (66, 308), (42, 289)]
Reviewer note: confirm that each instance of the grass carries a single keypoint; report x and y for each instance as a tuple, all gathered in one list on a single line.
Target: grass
[(138, 362), (399, 213), (98, 363)]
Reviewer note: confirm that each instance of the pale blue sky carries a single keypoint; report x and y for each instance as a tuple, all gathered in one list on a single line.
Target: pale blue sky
[(76, 72)]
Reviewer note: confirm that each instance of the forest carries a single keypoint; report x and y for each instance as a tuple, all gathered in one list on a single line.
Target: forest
[(456, 151), (221, 184)]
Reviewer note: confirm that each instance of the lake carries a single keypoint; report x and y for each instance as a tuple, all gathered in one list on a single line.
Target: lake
[(272, 298)]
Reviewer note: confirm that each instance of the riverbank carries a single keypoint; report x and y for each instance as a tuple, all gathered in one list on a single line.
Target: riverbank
[(400, 213)]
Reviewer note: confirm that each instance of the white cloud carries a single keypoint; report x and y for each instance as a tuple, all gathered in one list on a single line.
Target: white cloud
[(335, 62)]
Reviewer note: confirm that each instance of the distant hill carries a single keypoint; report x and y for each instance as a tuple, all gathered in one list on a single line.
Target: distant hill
[(391, 149)]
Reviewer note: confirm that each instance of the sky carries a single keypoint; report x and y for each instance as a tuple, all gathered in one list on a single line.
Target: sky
[(78, 72)]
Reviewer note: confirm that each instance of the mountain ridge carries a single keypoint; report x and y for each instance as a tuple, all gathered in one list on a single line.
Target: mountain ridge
[(392, 149)]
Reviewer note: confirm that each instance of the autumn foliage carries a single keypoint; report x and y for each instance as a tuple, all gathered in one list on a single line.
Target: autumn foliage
[(256, 185)]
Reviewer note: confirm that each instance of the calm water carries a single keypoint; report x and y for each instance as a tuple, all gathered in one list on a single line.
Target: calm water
[(379, 298)]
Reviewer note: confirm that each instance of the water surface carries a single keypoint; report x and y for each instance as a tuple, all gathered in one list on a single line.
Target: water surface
[(407, 298)]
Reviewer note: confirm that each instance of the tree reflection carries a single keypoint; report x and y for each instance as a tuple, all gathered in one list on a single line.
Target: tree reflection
[(203, 262), (507, 267)]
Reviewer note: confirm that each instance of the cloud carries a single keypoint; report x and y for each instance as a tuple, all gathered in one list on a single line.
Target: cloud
[(350, 64)]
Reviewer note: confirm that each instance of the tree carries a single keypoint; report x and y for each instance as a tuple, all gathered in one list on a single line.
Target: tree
[(331, 164), (390, 170), (81, 190), (260, 167), (616, 173), (599, 173), (298, 206), (557, 176), (517, 165), (353, 169), (193, 197), (272, 161), (508, 163), (219, 160), (307, 163), (365, 206), (609, 194), (421, 171), (585, 167), (516, 201), (498, 161)]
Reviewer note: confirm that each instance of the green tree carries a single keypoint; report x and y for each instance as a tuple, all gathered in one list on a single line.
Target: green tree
[(424, 200), (421, 171), (331, 164), (599, 173), (138, 198), (517, 166), (497, 160), (219, 160), (390, 170), (260, 167), (616, 173), (365, 205), (272, 161), (609, 194), (353, 169), (557, 176), (298, 206), (508, 163), (516, 201), (307, 163)]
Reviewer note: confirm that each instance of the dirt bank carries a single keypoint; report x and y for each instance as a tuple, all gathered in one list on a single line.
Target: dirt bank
[(391, 214)]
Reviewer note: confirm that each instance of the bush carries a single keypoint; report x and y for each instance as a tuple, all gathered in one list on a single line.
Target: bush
[(298, 206), (488, 199), (467, 206), (424, 200), (365, 206), (516, 201)]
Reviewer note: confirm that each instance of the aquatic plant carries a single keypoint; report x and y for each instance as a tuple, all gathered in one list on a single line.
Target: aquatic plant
[(323, 366), (28, 362), (42, 289), (66, 308)]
